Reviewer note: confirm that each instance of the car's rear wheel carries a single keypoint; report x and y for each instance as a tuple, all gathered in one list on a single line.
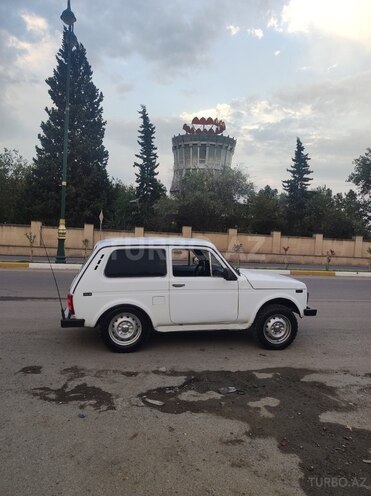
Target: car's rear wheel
[(276, 327), (125, 329)]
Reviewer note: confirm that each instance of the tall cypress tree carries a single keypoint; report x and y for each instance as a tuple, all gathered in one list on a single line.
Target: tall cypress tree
[(149, 189), (88, 185), (297, 189)]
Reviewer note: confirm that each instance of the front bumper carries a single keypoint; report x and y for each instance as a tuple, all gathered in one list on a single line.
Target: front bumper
[(310, 312)]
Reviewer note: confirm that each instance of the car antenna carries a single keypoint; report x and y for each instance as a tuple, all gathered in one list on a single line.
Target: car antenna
[(51, 268)]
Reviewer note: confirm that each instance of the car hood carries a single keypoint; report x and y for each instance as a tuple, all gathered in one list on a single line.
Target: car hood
[(269, 280)]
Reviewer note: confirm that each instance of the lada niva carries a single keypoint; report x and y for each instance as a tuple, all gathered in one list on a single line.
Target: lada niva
[(131, 286)]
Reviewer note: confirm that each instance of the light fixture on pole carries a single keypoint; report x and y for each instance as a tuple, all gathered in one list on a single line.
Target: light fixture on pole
[(68, 17)]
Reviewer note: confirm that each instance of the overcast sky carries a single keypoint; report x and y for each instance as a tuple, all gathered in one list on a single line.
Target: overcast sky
[(272, 69)]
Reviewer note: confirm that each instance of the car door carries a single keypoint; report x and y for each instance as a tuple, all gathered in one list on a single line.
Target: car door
[(198, 292)]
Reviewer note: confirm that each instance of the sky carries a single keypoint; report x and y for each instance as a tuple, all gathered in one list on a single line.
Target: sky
[(273, 70)]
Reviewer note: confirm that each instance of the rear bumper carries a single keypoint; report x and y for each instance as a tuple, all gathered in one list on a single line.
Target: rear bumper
[(72, 322), (310, 312), (68, 319)]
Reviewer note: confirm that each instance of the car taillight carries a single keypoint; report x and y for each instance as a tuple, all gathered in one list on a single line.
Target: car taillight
[(70, 304)]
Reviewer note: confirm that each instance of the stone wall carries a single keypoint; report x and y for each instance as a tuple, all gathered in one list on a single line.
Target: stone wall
[(236, 246)]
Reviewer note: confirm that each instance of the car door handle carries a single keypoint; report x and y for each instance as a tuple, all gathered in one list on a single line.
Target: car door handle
[(178, 285)]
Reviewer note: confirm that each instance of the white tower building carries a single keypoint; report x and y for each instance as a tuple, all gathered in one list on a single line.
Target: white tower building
[(203, 146)]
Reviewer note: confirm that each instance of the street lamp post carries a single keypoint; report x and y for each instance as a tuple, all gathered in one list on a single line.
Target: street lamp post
[(68, 17)]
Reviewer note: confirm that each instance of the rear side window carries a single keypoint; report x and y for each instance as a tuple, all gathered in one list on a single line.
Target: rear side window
[(136, 262)]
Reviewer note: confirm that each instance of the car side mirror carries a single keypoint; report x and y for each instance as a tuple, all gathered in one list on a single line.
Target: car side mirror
[(228, 275)]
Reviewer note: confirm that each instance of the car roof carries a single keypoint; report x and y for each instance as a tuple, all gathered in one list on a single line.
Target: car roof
[(152, 241)]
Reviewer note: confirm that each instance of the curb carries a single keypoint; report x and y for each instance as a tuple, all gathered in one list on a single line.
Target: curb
[(353, 274), (286, 272), (39, 265), (55, 266), (304, 272), (320, 273), (14, 265), (329, 273)]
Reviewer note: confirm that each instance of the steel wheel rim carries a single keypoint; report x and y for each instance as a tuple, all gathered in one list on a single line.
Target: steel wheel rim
[(277, 329), (125, 329)]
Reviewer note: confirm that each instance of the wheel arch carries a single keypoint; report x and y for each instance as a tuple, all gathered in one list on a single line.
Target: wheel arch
[(126, 307), (280, 301)]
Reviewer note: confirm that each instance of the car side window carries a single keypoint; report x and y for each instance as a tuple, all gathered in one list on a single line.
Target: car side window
[(195, 262), (217, 269), (136, 262)]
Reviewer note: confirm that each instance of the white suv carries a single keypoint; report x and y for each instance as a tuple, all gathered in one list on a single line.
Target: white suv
[(129, 286)]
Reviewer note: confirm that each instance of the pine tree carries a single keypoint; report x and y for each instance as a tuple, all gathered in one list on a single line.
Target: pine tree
[(88, 185), (297, 189), (361, 176), (149, 189)]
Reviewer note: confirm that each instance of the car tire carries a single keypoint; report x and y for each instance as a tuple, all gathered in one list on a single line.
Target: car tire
[(125, 329), (276, 327)]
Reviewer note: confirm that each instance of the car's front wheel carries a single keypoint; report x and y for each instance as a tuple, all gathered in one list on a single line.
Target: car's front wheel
[(276, 327), (124, 330)]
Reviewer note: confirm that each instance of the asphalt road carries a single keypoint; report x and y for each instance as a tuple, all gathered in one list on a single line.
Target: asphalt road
[(76, 419)]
